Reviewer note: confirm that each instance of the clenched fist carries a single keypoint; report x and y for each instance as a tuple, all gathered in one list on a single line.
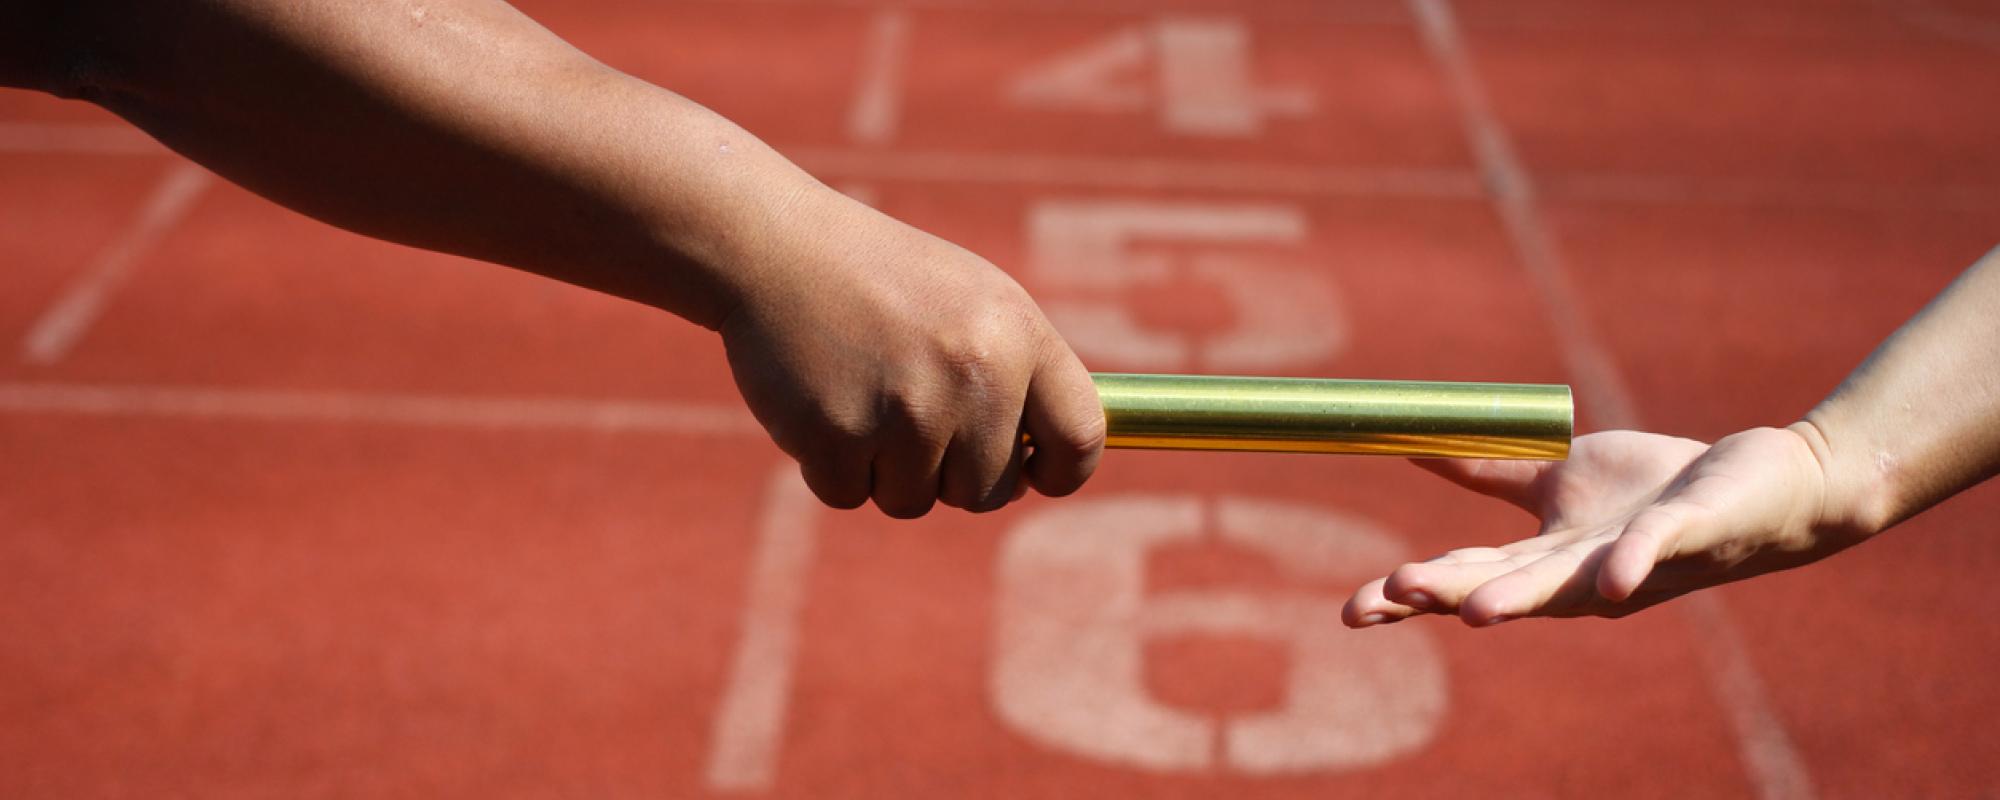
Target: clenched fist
[(899, 367)]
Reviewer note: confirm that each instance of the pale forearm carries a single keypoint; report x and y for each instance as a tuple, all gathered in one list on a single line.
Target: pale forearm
[(1920, 419), (457, 125)]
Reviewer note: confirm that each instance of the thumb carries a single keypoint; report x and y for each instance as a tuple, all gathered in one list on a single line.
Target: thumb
[(1653, 534), (1066, 422)]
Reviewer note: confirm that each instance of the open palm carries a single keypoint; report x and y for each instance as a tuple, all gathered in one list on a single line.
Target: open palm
[(1630, 520)]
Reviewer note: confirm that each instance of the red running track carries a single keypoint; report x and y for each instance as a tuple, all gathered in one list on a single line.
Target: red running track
[(289, 513)]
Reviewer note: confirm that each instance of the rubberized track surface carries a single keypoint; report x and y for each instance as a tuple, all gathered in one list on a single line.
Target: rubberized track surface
[(289, 513)]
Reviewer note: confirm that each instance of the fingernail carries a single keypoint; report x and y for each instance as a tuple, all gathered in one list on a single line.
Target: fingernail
[(1491, 621), (1418, 600), (1376, 618)]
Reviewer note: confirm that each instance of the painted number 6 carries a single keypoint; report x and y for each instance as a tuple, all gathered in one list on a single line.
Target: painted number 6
[(1073, 618)]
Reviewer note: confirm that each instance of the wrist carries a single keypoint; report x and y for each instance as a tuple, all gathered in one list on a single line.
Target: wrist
[(734, 218), (1857, 495)]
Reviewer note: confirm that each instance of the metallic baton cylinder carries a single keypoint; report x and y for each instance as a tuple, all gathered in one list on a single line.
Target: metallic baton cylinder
[(1312, 415)]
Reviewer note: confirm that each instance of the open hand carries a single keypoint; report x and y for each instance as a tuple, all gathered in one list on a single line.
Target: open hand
[(1629, 521)]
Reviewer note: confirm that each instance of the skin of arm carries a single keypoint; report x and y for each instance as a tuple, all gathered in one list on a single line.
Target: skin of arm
[(893, 365), (1635, 519)]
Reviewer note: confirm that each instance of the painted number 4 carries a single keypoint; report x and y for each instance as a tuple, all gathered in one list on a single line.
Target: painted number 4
[(1195, 74)]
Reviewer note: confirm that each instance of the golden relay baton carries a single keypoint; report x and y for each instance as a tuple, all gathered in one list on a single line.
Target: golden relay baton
[(1315, 415)]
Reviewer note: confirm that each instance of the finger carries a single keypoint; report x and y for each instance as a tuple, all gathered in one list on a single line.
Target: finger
[(1369, 607), (908, 462), (1653, 534), (1442, 585), (982, 464), (906, 482), (1552, 583), (982, 474), (840, 480), (1512, 481), (1066, 420)]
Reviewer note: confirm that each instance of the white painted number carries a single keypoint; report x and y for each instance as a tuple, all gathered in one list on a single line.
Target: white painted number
[(1089, 252), (1199, 84), (1074, 615)]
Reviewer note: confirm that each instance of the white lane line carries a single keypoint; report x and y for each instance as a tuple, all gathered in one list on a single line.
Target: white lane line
[(1769, 755), (429, 411), (82, 138), (59, 328), (878, 98), (750, 721), (1513, 197), (1768, 752), (1133, 173)]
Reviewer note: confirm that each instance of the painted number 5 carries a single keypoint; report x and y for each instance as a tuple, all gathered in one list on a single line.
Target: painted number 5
[(1089, 253)]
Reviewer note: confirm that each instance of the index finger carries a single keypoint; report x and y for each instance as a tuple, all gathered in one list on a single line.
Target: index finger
[(1065, 420)]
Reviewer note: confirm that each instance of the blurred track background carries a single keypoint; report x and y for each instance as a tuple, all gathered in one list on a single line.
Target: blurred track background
[(289, 513)]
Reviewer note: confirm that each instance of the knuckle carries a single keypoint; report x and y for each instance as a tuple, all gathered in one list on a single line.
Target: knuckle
[(912, 413), (979, 347), (971, 359), (902, 403), (842, 430), (825, 461), (1079, 435), (970, 370)]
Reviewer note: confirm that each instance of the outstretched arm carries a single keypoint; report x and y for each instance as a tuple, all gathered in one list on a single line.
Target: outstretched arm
[(1635, 519), (456, 125), (892, 364)]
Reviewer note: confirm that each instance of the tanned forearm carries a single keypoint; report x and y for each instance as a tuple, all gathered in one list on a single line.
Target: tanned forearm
[(456, 125), (895, 366)]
